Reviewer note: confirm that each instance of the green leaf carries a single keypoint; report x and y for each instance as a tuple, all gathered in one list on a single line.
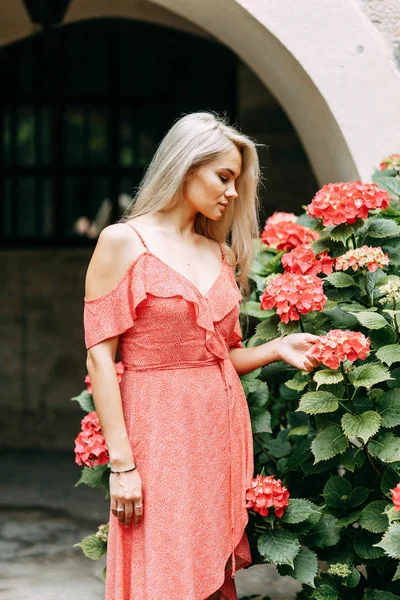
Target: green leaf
[(325, 533), (354, 307), (389, 481), (379, 595), (373, 517), (267, 329), (314, 403), (93, 476), (362, 426), (383, 228), (389, 354), (386, 447), (328, 443), (396, 576), (252, 385), (369, 374), (301, 430), (357, 496), (371, 320), (349, 520), (299, 381), (260, 420), (85, 401), (305, 567), (298, 510), (353, 579), (92, 546), (364, 545), (353, 458), (252, 308), (388, 406), (324, 592), (327, 377), (390, 184), (340, 280), (279, 447), (341, 319), (381, 337), (336, 491), (342, 232), (390, 542), (278, 546)]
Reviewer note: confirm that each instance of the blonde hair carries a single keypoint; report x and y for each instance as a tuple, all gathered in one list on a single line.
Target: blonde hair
[(193, 140)]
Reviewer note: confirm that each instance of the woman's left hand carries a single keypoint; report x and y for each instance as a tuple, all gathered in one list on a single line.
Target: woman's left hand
[(295, 350)]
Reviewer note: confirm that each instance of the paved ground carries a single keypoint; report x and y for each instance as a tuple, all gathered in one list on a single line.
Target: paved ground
[(42, 515)]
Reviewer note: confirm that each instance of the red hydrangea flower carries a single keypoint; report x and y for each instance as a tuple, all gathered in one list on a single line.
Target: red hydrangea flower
[(338, 345), (292, 294), (281, 217), (338, 203), (396, 497), (119, 369), (366, 256), (282, 233), (302, 260), (90, 445), (265, 492), (390, 162)]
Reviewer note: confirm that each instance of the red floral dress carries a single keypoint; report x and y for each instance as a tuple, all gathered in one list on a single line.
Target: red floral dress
[(189, 428)]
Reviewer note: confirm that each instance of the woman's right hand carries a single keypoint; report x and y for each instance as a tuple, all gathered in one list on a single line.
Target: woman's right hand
[(126, 493)]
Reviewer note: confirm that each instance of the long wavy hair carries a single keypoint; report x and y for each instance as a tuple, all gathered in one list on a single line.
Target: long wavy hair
[(193, 140)]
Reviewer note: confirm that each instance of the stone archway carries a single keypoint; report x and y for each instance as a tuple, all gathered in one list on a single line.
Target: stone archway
[(328, 67)]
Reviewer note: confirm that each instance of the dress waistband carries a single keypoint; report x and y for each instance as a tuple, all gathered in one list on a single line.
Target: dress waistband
[(185, 364)]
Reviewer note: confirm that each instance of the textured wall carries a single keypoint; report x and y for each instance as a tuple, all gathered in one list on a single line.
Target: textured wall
[(42, 355), (385, 15)]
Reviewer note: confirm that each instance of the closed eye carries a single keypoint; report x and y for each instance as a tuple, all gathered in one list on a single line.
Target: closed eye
[(223, 179)]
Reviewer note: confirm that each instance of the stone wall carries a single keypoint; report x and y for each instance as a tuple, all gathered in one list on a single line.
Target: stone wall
[(42, 355), (385, 15)]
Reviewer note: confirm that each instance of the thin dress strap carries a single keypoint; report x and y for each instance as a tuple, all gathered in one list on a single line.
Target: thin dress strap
[(222, 252), (139, 234)]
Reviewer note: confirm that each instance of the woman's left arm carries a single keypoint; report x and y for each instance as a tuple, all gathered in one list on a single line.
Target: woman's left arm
[(294, 349)]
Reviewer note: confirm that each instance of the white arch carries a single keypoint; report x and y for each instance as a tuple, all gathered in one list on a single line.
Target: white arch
[(326, 64)]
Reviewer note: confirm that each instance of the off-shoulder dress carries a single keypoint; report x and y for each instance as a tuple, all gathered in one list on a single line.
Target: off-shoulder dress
[(189, 428)]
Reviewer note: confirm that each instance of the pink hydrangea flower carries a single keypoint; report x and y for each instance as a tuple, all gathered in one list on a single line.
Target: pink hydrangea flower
[(339, 345), (283, 233), (368, 257), (302, 260), (292, 294), (338, 203), (265, 492), (90, 445), (396, 497)]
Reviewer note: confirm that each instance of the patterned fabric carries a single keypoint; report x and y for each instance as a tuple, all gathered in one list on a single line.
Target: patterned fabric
[(189, 428)]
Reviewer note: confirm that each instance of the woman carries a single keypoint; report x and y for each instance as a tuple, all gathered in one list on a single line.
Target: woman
[(162, 284)]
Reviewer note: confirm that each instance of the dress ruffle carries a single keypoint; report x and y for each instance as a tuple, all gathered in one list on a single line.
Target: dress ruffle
[(102, 320)]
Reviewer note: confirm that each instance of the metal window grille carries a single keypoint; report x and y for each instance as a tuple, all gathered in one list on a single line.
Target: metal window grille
[(82, 110)]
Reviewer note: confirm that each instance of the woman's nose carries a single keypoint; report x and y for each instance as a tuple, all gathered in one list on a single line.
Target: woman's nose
[(231, 192)]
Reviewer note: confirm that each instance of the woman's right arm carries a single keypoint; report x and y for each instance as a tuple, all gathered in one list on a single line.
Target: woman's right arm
[(110, 260)]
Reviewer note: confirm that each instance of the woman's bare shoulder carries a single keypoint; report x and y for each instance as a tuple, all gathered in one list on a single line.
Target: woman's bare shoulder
[(116, 249)]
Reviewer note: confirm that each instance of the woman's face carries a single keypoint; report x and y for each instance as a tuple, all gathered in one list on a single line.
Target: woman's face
[(211, 187)]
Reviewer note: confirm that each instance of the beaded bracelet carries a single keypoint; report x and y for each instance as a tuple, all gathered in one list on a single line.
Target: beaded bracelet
[(127, 470)]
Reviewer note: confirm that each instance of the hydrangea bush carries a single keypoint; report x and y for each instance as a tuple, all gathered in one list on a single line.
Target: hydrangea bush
[(324, 504), (332, 437)]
